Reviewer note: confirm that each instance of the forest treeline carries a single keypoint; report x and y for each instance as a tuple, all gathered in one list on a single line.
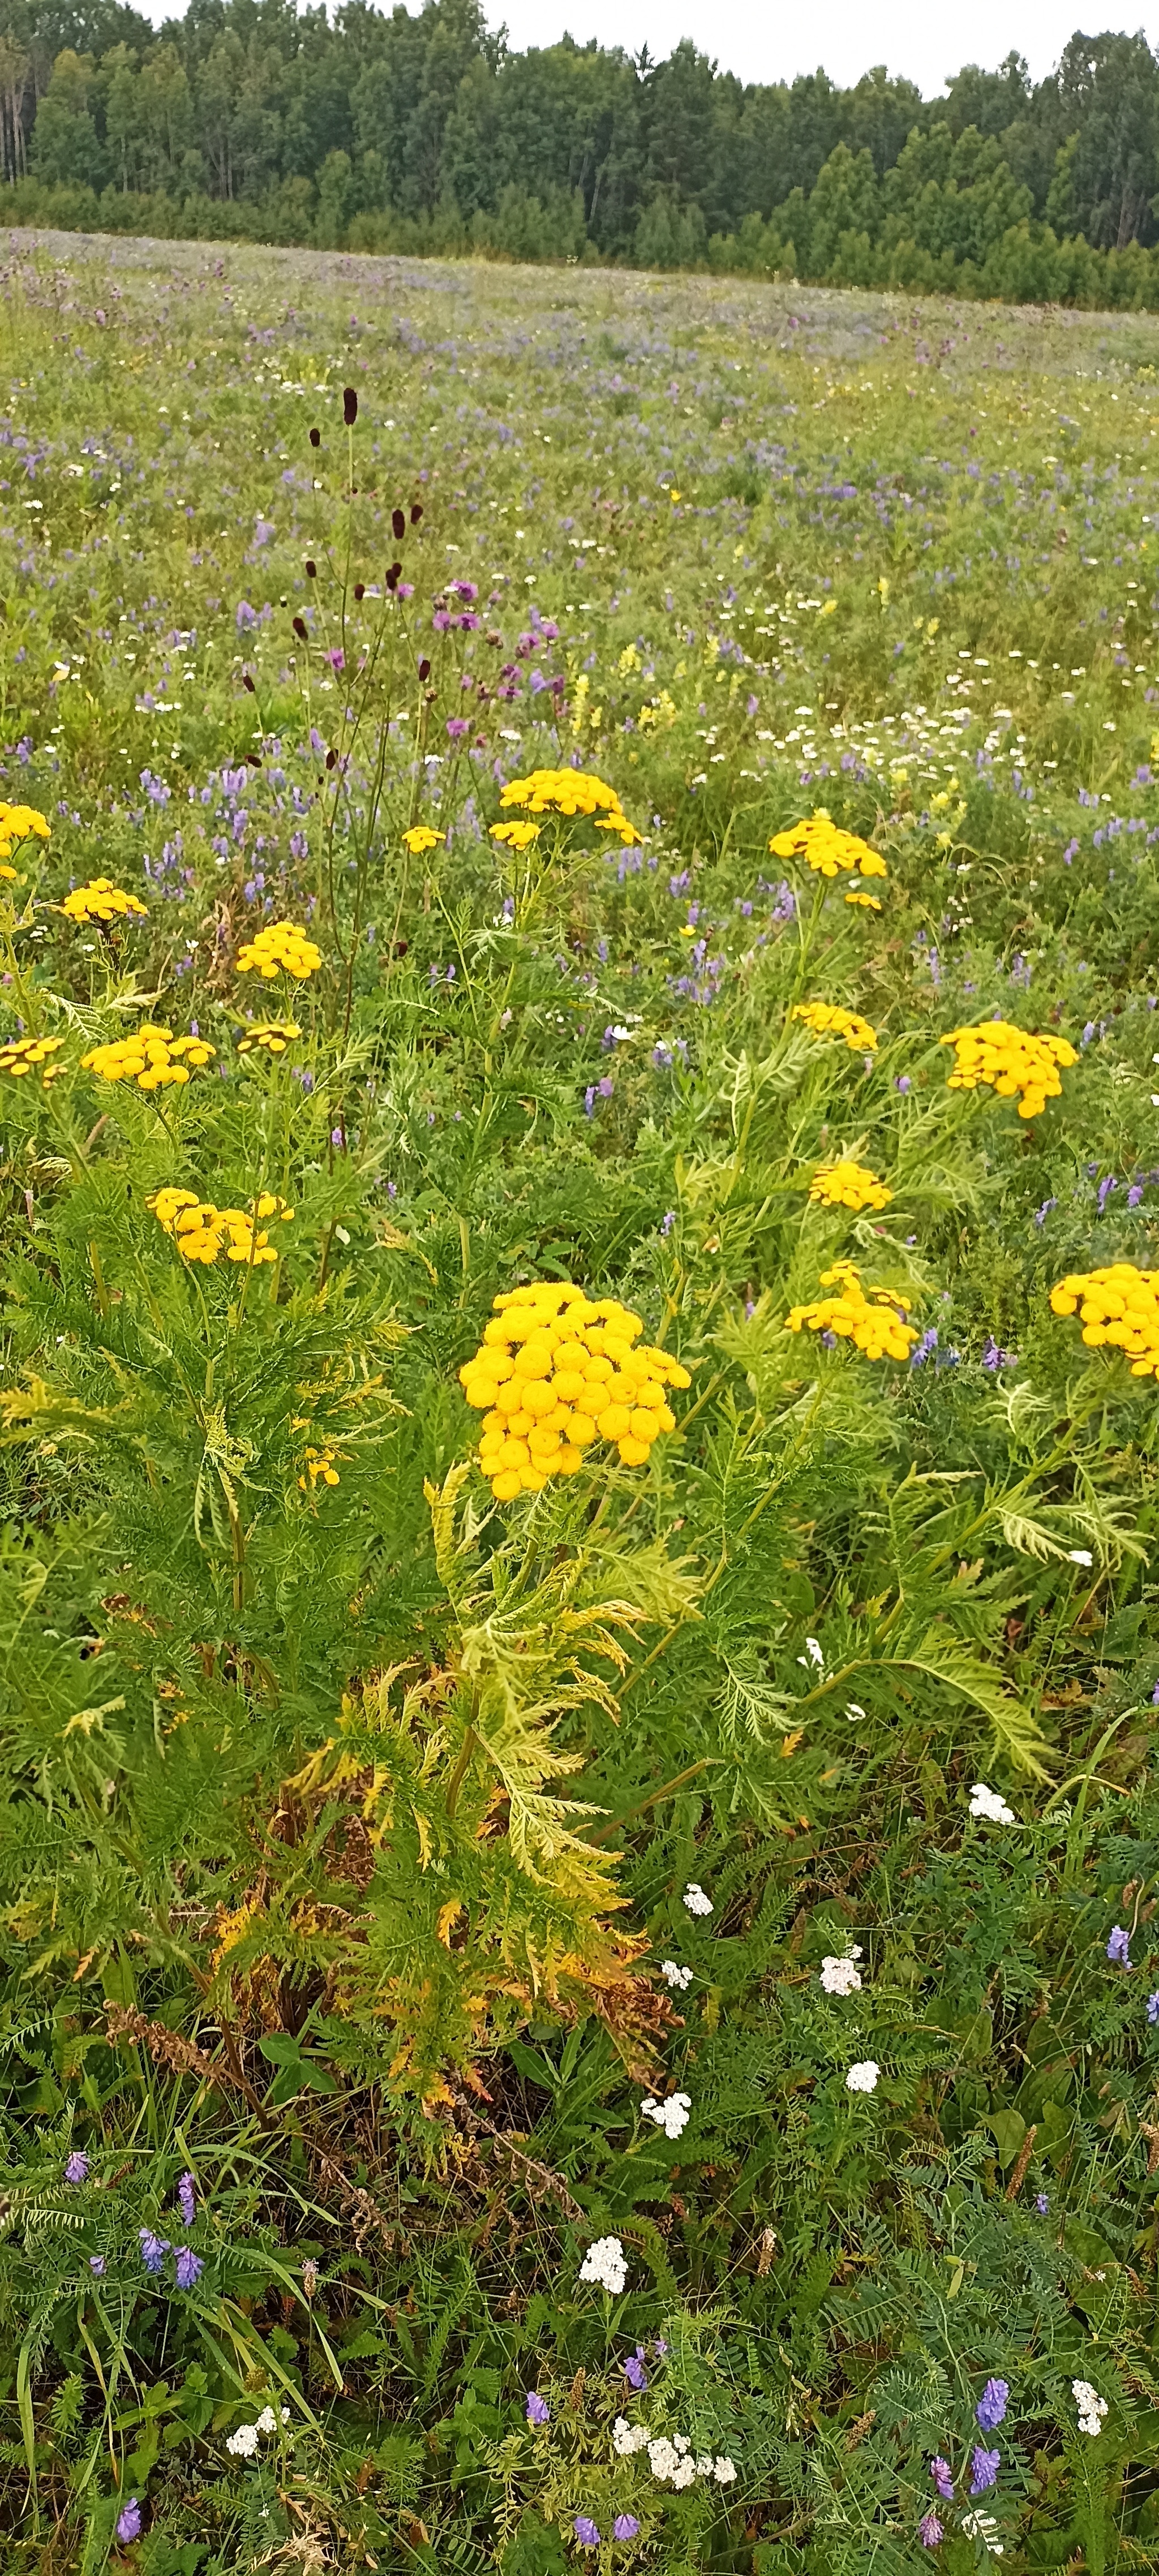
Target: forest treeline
[(384, 131)]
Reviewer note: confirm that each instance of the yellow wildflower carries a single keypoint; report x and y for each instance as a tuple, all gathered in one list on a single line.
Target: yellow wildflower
[(20, 1055), (420, 839), (17, 823), (201, 1231), (279, 949), (319, 1464), (102, 901), (1014, 1061), (1119, 1310), (848, 1185), (828, 1020), (518, 836), (272, 1036), (826, 849), (868, 902), (152, 1058), (570, 792), (555, 1372), (873, 1324)]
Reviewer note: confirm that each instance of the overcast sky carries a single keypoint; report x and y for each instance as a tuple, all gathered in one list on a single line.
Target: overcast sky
[(765, 44)]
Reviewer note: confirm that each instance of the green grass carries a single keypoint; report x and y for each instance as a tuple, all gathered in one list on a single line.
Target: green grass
[(346, 1827)]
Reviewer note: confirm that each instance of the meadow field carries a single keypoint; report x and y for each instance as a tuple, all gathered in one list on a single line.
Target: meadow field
[(579, 1114)]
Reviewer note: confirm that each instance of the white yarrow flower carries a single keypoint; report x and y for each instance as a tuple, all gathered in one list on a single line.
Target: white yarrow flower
[(696, 1900), (605, 2263), (862, 2078), (628, 2438), (842, 1976), (244, 2442), (986, 1802), (1080, 1556), (1091, 2406), (684, 2474), (675, 1976), (724, 2472), (663, 2459), (671, 2115)]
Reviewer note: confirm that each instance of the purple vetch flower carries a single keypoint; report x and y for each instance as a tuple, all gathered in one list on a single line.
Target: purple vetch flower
[(586, 2531), (902, 1082), (983, 2470), (538, 2410), (634, 2371), (129, 2521), (994, 1357), (992, 2405), (667, 1222), (1153, 2008), (943, 2478), (930, 2532), (153, 2249), (625, 2527), (97, 2266), (185, 2194), (189, 2267), (77, 2167), (1117, 1951)]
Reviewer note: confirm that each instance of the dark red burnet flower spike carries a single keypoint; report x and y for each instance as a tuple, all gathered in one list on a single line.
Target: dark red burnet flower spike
[(349, 405), (300, 629), (311, 569), (315, 438), (247, 683), (416, 512), (360, 590), (398, 522), (424, 668)]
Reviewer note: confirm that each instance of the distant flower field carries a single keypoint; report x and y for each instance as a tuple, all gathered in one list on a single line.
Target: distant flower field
[(579, 1113)]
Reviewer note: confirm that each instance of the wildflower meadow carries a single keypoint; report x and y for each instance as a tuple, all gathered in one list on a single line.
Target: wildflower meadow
[(579, 1112)]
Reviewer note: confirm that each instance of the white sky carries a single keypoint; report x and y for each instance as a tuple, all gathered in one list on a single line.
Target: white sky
[(760, 43)]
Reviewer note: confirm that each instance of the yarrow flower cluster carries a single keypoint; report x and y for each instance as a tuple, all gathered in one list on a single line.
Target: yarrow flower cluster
[(202, 1231), (828, 1020), (675, 1976), (986, 1802), (269, 1037), (1091, 2407), (848, 1185), (570, 792), (152, 1058), (102, 901), (1013, 1061), (279, 949), (554, 1373), (1118, 1308), (605, 2263), (871, 1323), (862, 2078), (831, 852), (244, 2443), (842, 1976), (695, 1899), (671, 2114), (23, 1055)]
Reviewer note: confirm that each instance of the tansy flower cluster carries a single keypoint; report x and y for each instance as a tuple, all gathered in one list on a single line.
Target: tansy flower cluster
[(516, 836), (555, 1372), (1012, 1060), (271, 1036), (830, 852), (17, 822), (1119, 1308), (828, 1020), (101, 900), (848, 1185), (22, 1055), (319, 1465), (872, 1323), (152, 1058), (279, 949), (570, 792), (202, 1231), (420, 838)]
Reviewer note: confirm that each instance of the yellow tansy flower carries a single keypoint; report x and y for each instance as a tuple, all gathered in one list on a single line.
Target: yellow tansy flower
[(828, 1020), (518, 836), (280, 949), (556, 1372), (22, 1055), (152, 1058), (1014, 1062), (319, 1466), (420, 838), (848, 1185), (571, 792), (102, 901), (873, 1324), (271, 1036), (1119, 1310), (201, 1231), (828, 850)]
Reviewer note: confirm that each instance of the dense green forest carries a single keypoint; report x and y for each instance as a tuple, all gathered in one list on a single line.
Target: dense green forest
[(381, 131)]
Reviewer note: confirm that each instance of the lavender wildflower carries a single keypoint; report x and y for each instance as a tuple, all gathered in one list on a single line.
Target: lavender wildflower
[(1153, 2008), (1041, 2203), (930, 2531), (186, 2197), (625, 2527), (153, 2249), (634, 2371), (190, 2267), (538, 2410), (943, 2479), (992, 2404), (1117, 1951), (77, 2167), (586, 2531), (97, 2266), (983, 2470), (129, 2521)]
